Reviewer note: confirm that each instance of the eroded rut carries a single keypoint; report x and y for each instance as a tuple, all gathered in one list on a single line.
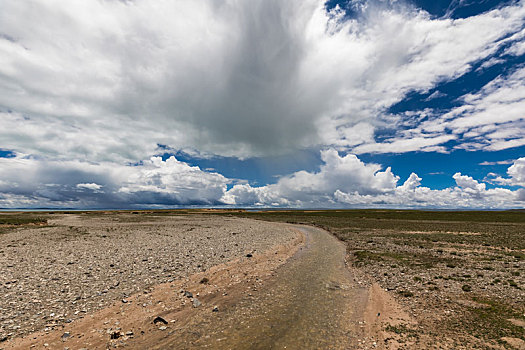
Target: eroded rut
[(311, 302)]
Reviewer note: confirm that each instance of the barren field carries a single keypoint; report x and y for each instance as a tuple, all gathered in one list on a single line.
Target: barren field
[(459, 275), (233, 279), (56, 268)]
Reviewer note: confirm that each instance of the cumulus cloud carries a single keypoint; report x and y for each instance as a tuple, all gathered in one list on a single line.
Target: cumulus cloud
[(173, 181), (345, 181), (33, 182), (306, 188), (110, 80), (516, 174)]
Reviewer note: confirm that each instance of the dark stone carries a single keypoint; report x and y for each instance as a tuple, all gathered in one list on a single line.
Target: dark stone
[(159, 319), (115, 335), (188, 294), (249, 255)]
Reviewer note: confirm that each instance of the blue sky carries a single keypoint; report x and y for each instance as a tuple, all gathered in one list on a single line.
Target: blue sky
[(339, 104)]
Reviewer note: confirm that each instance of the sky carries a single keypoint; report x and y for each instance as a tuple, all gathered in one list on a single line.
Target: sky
[(262, 103)]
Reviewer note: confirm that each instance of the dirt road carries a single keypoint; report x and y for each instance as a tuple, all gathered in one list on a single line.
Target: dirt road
[(311, 302)]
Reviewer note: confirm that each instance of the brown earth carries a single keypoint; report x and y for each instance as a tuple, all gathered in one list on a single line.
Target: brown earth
[(295, 295), (80, 263)]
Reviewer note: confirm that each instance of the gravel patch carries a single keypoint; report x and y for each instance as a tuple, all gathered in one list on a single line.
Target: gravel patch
[(81, 263)]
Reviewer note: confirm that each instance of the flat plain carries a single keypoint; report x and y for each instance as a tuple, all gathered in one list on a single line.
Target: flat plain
[(416, 279), (56, 268), (460, 275)]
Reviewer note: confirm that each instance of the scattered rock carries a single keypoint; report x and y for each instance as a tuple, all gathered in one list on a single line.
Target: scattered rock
[(215, 309), (163, 328), (188, 294), (196, 302), (91, 273), (115, 335), (65, 336), (159, 319)]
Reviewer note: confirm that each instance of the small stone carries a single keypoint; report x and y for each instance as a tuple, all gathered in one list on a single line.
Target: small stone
[(129, 333), (65, 336), (159, 319), (115, 335), (124, 301), (204, 281), (215, 309), (196, 302), (249, 255), (163, 328), (188, 294)]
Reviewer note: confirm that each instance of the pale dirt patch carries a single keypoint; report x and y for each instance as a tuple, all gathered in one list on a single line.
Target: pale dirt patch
[(382, 311), (519, 323), (516, 343)]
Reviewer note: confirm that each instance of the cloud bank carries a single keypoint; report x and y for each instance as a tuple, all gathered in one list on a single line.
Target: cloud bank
[(342, 181), (345, 181)]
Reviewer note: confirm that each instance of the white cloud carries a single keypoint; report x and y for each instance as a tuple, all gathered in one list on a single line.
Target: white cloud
[(346, 181), (109, 80), (435, 94), (176, 181), (499, 162), (491, 120), (310, 189), (516, 173), (341, 181), (490, 62), (50, 183), (89, 186)]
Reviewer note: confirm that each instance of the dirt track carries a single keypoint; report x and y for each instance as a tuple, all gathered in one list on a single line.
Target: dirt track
[(312, 301)]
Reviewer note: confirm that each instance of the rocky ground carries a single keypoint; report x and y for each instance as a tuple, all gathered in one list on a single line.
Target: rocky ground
[(54, 273), (460, 276)]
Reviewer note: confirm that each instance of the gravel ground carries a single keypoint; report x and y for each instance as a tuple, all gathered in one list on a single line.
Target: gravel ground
[(80, 263)]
